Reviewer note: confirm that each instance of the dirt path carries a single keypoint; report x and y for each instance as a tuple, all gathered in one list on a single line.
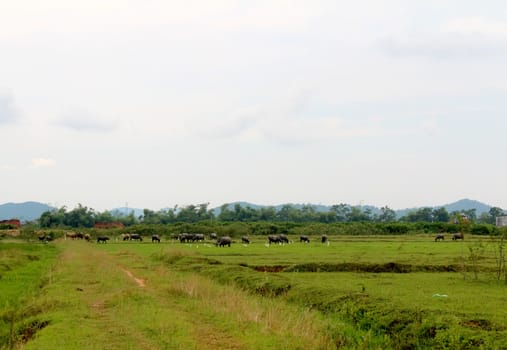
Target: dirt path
[(140, 282), (98, 307)]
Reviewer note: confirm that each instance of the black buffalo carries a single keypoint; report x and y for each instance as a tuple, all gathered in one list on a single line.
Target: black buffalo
[(283, 238), (185, 237), (439, 237), (224, 241), (304, 239), (126, 236), (245, 240), (136, 237), (280, 239), (274, 239), (457, 236), (155, 238), (191, 237), (212, 235), (102, 239), (45, 238), (323, 239), (198, 237)]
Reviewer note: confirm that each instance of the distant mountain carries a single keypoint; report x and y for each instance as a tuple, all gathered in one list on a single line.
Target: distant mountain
[(462, 204), (26, 211), (29, 211)]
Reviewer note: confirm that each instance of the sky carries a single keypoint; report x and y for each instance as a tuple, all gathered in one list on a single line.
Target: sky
[(157, 103)]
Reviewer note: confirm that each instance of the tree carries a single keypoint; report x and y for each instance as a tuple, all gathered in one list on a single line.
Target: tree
[(80, 216), (356, 214), (422, 214), (387, 214), (440, 215), (341, 211)]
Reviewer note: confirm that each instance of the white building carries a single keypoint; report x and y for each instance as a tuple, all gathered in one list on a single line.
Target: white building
[(501, 221)]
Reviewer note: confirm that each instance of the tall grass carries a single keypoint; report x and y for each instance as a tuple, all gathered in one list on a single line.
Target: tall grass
[(98, 305), (24, 270)]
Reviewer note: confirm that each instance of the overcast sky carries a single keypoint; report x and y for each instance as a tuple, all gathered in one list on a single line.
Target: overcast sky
[(156, 103)]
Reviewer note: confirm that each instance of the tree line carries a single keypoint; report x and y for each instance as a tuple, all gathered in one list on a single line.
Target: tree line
[(82, 216)]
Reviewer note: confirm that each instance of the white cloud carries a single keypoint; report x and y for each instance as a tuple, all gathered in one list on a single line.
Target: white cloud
[(43, 162), (455, 38), (84, 121), (285, 123), (431, 127), (476, 26), (7, 110)]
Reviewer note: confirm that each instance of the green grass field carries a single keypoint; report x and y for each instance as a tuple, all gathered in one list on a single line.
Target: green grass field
[(402, 292)]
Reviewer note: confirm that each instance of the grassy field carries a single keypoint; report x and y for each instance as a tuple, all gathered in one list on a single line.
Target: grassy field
[(402, 292)]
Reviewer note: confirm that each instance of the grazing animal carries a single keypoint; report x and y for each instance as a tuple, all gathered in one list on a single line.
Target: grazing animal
[(323, 238), (457, 236), (439, 237), (71, 235), (79, 235), (304, 239), (136, 237), (245, 240), (155, 238), (45, 238), (186, 237), (274, 239), (198, 237), (102, 239), (283, 238), (125, 236), (224, 241), (87, 237), (212, 235)]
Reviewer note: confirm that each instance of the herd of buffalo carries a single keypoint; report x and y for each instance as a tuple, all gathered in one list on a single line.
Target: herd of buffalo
[(219, 241)]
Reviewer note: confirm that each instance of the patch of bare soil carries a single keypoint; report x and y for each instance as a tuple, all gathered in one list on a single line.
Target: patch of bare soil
[(140, 282)]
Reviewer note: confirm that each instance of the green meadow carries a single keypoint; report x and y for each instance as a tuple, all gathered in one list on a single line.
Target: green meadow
[(360, 292)]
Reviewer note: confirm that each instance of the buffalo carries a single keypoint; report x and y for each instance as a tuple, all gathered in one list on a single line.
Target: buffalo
[(126, 237), (223, 241), (45, 238), (304, 239), (191, 237), (136, 237), (198, 237), (186, 237), (102, 239), (155, 238), (439, 237), (323, 239), (280, 239), (87, 237), (71, 235), (245, 240), (457, 236), (212, 235), (274, 239)]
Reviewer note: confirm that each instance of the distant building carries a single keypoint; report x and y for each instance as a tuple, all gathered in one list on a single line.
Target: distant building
[(14, 223), (501, 221)]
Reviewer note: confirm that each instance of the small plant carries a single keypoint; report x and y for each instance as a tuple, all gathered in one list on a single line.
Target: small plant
[(476, 251)]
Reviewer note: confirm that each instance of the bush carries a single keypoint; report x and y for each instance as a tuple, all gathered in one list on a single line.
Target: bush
[(481, 229)]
